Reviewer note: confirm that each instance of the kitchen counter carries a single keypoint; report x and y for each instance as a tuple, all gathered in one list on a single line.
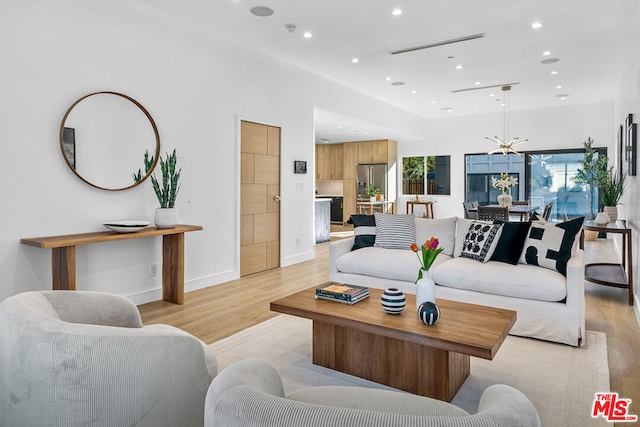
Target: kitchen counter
[(322, 229)]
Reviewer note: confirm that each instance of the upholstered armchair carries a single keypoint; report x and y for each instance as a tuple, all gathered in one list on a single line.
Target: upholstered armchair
[(250, 393), (73, 358)]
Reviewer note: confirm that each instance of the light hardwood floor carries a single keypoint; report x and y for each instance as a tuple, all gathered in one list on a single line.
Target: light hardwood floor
[(222, 310)]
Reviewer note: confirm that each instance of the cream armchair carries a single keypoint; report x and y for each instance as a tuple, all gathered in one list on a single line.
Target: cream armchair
[(250, 393), (73, 358)]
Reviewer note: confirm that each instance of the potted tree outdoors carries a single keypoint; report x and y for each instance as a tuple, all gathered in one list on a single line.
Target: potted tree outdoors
[(166, 216), (372, 191), (611, 189), (593, 171)]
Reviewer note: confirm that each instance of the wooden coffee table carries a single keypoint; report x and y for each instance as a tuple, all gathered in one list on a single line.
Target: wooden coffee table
[(399, 350)]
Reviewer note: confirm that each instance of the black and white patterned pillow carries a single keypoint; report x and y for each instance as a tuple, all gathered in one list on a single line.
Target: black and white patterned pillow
[(480, 241), (395, 231), (364, 230), (551, 245)]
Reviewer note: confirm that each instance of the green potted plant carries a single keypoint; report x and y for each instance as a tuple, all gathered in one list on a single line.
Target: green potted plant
[(148, 165), (611, 189), (372, 191), (166, 216), (593, 171)]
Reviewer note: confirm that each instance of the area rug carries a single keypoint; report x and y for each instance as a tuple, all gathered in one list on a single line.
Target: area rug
[(560, 380)]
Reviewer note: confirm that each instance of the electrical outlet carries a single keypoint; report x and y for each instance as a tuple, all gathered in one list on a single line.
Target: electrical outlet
[(153, 270), (297, 242)]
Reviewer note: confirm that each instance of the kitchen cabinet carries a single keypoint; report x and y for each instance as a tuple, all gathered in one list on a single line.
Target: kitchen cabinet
[(336, 209), (370, 152), (329, 165)]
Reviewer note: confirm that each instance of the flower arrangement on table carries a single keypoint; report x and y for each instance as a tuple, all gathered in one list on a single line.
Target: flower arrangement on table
[(428, 253), (504, 183)]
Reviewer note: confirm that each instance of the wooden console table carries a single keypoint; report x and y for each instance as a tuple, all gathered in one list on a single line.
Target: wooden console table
[(63, 260), (428, 206), (611, 274)]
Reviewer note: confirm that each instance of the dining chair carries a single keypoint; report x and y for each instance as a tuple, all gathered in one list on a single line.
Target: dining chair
[(468, 214), (547, 211), (490, 213)]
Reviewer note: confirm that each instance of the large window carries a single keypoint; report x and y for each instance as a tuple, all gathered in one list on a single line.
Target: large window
[(543, 177), (426, 175)]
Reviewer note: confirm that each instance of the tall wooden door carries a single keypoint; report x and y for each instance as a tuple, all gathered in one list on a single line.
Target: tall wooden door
[(259, 198)]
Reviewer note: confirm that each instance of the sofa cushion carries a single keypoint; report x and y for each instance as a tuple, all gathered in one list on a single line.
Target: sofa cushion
[(511, 242), (551, 245), (393, 264), (364, 230), (499, 278), (443, 229), (395, 231), (480, 241)]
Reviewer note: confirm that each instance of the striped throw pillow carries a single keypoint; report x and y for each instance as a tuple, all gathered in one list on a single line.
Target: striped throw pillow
[(395, 231), (364, 230)]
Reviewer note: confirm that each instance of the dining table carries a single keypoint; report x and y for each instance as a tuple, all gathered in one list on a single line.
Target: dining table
[(522, 210)]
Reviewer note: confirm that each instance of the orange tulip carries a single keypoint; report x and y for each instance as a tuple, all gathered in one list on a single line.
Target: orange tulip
[(414, 247)]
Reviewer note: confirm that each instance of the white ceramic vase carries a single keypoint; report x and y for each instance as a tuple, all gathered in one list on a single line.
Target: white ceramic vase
[(612, 211), (425, 289), (165, 217), (504, 199), (602, 218)]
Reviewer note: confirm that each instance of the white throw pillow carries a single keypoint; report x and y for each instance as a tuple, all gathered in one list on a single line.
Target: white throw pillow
[(480, 241), (462, 227), (395, 231), (442, 229)]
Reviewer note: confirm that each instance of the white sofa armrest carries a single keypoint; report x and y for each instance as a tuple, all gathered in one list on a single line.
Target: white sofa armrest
[(336, 250), (575, 290)]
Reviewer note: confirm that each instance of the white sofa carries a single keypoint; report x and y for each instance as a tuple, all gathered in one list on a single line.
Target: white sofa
[(550, 306), (250, 393)]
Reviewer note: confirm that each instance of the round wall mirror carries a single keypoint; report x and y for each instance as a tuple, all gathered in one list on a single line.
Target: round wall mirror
[(109, 140)]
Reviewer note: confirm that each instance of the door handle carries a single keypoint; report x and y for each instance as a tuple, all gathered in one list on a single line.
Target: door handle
[(276, 198)]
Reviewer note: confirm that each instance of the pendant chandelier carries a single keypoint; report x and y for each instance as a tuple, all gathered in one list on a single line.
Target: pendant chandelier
[(505, 147)]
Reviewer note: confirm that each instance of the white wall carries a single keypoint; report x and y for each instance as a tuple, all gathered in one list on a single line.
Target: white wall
[(196, 88), (546, 129), (628, 101)]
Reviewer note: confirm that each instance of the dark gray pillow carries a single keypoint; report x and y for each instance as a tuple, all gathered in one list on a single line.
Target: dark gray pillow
[(364, 230)]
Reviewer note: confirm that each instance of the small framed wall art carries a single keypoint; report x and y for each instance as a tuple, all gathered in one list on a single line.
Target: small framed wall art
[(631, 143), (299, 166)]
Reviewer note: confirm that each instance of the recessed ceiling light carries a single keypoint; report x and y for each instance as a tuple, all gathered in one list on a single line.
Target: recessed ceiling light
[(554, 72), (491, 95), (307, 35), (398, 84), (262, 11), (338, 127), (536, 25), (559, 87), (546, 53), (476, 83), (434, 102), (459, 67), (396, 12), (387, 78), (414, 91), (355, 60), (364, 133)]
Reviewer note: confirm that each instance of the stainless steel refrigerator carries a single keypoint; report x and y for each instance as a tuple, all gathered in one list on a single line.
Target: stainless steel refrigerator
[(370, 174)]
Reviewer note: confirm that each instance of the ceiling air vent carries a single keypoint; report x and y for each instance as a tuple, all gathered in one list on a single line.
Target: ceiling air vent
[(440, 43), (485, 87)]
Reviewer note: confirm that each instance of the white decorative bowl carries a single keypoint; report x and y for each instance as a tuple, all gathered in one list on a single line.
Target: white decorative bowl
[(126, 226)]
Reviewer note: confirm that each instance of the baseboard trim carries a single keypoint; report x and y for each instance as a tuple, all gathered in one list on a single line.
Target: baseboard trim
[(191, 285), (307, 256)]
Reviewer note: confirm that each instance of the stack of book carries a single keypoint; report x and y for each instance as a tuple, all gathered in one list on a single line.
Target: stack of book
[(346, 294)]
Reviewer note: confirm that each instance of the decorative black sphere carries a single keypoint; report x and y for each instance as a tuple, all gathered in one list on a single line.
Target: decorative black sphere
[(429, 313), (393, 301)]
